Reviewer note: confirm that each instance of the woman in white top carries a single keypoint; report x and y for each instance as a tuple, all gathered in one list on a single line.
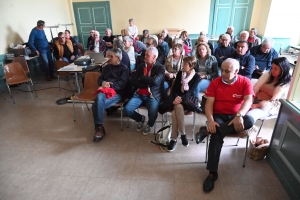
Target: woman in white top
[(130, 51), (133, 30)]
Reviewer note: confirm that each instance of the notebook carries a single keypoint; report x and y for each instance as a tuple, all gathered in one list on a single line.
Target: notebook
[(98, 57)]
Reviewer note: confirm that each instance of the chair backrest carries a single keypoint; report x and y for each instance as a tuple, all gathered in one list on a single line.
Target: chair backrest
[(60, 64), (23, 63), (91, 82), (14, 73), (80, 48)]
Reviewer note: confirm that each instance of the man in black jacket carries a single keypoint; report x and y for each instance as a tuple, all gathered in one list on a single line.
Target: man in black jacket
[(113, 76), (147, 81)]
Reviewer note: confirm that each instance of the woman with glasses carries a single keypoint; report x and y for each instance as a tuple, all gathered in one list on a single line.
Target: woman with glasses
[(173, 65), (207, 67), (128, 48)]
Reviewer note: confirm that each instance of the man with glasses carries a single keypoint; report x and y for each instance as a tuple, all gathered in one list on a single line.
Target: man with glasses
[(92, 31), (97, 44), (151, 42), (65, 49), (224, 50), (39, 43)]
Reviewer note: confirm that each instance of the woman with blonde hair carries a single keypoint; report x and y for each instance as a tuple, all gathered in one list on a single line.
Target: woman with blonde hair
[(184, 86)]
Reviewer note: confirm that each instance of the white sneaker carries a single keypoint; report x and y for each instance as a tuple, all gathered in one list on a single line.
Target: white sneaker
[(147, 130)]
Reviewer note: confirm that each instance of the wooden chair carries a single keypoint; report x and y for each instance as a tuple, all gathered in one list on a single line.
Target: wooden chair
[(60, 64), (14, 74), (90, 86), (80, 49)]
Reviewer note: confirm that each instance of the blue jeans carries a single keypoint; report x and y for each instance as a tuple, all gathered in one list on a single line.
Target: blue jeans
[(202, 85), (135, 102), (47, 60), (101, 103)]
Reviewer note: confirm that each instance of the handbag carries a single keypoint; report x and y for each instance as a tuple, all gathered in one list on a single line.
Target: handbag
[(166, 105), (203, 103), (192, 104)]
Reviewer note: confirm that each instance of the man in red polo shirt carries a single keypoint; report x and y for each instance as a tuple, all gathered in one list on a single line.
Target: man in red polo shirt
[(229, 97), (148, 81)]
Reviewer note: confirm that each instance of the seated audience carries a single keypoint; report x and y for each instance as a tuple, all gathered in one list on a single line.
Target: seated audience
[(224, 50), (138, 46), (167, 38), (177, 41), (153, 43), (173, 65), (130, 51), (184, 87), (145, 36), (244, 35), (97, 44), (253, 39), (108, 38), (65, 49), (202, 38), (229, 98), (271, 86), (263, 54), (162, 43), (147, 81), (133, 30), (92, 31), (219, 42), (186, 41), (113, 76), (69, 37), (230, 31), (206, 67), (242, 55), (117, 43)]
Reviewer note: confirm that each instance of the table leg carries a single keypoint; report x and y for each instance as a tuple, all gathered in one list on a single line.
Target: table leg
[(77, 83)]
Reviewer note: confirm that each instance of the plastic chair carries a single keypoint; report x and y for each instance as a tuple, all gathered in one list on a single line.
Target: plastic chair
[(23, 63), (263, 120), (90, 86), (60, 64), (14, 74), (242, 134)]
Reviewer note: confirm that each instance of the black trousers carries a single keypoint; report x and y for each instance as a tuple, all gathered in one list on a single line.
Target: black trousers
[(217, 139)]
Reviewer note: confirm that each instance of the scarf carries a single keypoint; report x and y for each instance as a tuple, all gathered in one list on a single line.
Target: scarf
[(185, 79), (61, 48)]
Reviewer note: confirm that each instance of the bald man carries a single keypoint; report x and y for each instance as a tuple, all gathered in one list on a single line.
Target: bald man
[(229, 97)]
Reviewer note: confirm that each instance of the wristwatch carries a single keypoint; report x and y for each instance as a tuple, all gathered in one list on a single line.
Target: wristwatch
[(239, 115)]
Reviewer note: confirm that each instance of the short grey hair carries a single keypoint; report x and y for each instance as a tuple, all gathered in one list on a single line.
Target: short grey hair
[(108, 29), (153, 50), (227, 36), (131, 20), (269, 41), (127, 38), (154, 39), (117, 52), (244, 32), (97, 33), (234, 63), (118, 43), (254, 30), (166, 31), (231, 27)]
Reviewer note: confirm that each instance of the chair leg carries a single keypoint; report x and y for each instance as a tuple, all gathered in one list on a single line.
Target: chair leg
[(206, 157), (11, 96), (246, 150), (237, 141), (127, 122), (194, 119), (121, 117), (261, 125), (74, 111), (87, 106)]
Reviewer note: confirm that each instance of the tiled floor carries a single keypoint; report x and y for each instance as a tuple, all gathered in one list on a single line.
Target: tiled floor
[(44, 154)]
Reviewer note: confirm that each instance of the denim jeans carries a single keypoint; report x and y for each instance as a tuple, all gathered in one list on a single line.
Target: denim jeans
[(132, 66), (101, 103), (47, 60), (135, 102), (202, 85), (69, 60), (258, 113), (217, 139)]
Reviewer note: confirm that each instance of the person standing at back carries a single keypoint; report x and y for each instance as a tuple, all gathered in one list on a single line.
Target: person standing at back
[(39, 43), (133, 30)]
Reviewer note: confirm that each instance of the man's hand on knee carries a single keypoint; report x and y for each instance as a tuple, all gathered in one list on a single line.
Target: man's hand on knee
[(238, 123), (211, 126)]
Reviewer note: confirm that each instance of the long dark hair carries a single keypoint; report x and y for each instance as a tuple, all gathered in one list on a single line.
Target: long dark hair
[(284, 77)]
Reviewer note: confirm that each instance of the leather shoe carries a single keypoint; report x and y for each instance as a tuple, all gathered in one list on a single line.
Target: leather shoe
[(203, 133), (208, 184), (99, 134)]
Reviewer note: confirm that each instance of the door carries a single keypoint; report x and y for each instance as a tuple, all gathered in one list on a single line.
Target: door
[(224, 13), (90, 15)]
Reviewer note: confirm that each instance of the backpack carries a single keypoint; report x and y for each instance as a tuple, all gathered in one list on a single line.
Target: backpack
[(163, 136)]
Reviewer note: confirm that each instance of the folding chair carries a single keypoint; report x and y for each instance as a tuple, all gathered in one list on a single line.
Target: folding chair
[(263, 120)]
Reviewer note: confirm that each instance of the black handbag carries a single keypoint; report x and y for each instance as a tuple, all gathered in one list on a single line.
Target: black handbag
[(166, 105), (191, 104)]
